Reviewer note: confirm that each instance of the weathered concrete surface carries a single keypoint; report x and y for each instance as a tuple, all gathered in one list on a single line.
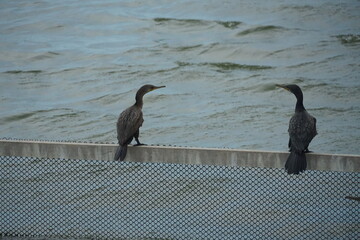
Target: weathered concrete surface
[(182, 155)]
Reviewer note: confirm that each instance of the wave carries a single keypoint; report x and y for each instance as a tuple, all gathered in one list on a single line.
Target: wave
[(348, 39), (187, 48), (60, 112), (45, 56), (229, 24), (22, 116), (298, 8), (17, 117), (22, 71), (260, 29), (236, 66), (334, 110), (198, 22), (303, 64), (227, 66)]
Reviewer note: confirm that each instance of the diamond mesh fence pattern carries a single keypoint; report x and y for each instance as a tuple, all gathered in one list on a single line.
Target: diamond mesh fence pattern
[(59, 198)]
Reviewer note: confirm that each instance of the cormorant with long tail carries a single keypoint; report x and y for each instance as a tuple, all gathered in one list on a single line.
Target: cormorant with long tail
[(129, 122), (302, 129)]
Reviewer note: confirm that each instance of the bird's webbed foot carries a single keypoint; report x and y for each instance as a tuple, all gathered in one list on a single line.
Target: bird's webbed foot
[(138, 143), (307, 151)]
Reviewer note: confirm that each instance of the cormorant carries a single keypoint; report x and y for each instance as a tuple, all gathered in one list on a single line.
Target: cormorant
[(302, 129), (129, 122)]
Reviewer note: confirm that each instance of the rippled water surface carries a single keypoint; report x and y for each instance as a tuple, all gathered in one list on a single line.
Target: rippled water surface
[(68, 68)]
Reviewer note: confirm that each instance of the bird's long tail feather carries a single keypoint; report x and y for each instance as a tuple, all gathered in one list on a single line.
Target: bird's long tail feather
[(120, 153), (296, 163)]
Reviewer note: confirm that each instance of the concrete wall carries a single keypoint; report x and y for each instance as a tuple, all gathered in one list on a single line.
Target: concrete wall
[(163, 154)]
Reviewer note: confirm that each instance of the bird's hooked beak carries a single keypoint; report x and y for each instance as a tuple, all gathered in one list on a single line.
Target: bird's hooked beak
[(283, 86), (156, 87)]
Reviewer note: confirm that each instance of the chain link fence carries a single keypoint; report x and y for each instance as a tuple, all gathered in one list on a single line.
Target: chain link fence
[(83, 199)]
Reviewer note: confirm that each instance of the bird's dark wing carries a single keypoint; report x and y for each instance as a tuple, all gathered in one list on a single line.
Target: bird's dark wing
[(129, 122), (315, 129), (311, 129), (302, 129)]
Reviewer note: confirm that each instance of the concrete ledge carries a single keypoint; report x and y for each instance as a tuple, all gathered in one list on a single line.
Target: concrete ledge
[(180, 155)]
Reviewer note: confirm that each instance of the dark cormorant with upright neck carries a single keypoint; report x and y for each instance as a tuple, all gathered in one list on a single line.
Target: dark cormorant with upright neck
[(129, 122), (302, 129)]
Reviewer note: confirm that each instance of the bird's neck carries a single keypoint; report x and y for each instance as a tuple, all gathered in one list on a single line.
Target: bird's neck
[(299, 107), (139, 101)]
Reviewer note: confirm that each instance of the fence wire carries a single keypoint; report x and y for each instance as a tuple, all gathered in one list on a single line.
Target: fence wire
[(61, 198)]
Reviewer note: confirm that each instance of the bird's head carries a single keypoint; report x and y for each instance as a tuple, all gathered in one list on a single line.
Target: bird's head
[(149, 88), (144, 90), (293, 88), (289, 87), (296, 90)]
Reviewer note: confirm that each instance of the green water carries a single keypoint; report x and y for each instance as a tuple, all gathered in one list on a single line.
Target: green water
[(68, 68)]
